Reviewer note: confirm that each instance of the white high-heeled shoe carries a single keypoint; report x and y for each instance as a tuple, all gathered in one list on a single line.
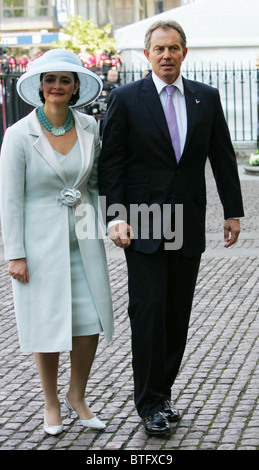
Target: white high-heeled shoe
[(94, 422), (54, 430)]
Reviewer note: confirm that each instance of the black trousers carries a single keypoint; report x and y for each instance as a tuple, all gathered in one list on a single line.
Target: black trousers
[(161, 288)]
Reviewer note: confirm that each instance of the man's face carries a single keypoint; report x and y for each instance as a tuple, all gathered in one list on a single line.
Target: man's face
[(112, 76), (166, 54)]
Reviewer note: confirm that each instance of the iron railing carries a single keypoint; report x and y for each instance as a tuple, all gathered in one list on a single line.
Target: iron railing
[(239, 91), (238, 87)]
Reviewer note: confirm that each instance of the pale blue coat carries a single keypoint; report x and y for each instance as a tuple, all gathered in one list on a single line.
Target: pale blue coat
[(36, 227)]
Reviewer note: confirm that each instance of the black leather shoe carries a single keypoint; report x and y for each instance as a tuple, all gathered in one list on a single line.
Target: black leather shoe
[(171, 412), (156, 424)]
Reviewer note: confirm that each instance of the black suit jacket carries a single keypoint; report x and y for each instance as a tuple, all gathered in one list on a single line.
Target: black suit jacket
[(137, 162)]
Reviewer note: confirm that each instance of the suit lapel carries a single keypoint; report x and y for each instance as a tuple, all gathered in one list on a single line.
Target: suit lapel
[(152, 101), (193, 103)]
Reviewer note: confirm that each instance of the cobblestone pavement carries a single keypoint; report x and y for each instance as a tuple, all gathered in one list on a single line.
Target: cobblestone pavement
[(217, 387)]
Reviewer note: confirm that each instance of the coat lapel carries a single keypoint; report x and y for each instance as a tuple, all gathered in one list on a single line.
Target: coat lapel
[(45, 149), (43, 146), (86, 143)]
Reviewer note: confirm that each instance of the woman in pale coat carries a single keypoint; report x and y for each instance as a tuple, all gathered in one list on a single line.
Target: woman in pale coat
[(49, 214)]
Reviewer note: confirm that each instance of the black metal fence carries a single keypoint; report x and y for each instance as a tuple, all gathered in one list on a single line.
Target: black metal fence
[(238, 87), (12, 108), (239, 90)]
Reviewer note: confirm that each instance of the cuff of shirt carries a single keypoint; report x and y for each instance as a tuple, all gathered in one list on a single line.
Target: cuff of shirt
[(114, 222)]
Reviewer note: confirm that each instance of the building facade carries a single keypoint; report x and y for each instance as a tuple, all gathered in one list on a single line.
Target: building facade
[(28, 23), (121, 12)]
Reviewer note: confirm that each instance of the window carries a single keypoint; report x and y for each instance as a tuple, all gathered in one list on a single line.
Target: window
[(159, 5), (25, 8)]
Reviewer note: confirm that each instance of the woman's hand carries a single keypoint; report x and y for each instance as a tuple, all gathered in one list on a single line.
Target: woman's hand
[(18, 270)]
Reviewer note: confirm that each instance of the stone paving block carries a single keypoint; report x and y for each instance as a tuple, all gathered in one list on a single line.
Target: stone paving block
[(217, 387)]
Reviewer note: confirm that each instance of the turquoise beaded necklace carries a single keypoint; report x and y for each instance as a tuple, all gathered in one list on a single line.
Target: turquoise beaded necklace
[(57, 131)]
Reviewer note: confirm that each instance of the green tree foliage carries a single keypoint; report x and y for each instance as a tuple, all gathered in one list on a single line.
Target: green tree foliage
[(85, 33)]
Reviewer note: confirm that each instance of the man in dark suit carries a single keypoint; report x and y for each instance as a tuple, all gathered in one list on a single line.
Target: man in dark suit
[(140, 164)]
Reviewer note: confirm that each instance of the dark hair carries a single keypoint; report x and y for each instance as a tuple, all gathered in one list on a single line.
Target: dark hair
[(74, 98)]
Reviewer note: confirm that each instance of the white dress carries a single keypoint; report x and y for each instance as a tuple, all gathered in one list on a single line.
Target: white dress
[(85, 319)]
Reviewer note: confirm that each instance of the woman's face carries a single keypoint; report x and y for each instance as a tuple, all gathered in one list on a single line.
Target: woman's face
[(58, 87)]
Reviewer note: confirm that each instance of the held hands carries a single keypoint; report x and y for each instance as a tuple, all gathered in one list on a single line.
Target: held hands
[(121, 234), (18, 270), (231, 231)]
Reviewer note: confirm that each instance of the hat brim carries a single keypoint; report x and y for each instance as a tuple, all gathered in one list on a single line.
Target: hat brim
[(29, 83)]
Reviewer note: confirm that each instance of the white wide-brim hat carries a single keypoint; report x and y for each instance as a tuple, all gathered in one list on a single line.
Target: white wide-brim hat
[(58, 60)]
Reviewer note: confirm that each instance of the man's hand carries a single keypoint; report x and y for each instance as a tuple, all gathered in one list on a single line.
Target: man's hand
[(231, 231), (18, 270), (121, 234)]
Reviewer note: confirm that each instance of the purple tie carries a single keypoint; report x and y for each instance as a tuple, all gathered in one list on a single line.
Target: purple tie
[(171, 121)]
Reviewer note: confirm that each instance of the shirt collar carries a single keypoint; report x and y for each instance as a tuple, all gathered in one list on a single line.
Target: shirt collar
[(160, 84)]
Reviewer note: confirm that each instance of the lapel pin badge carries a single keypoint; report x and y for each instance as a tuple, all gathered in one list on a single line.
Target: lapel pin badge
[(197, 101)]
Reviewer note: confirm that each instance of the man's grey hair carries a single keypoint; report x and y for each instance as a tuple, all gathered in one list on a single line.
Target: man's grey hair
[(165, 25)]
